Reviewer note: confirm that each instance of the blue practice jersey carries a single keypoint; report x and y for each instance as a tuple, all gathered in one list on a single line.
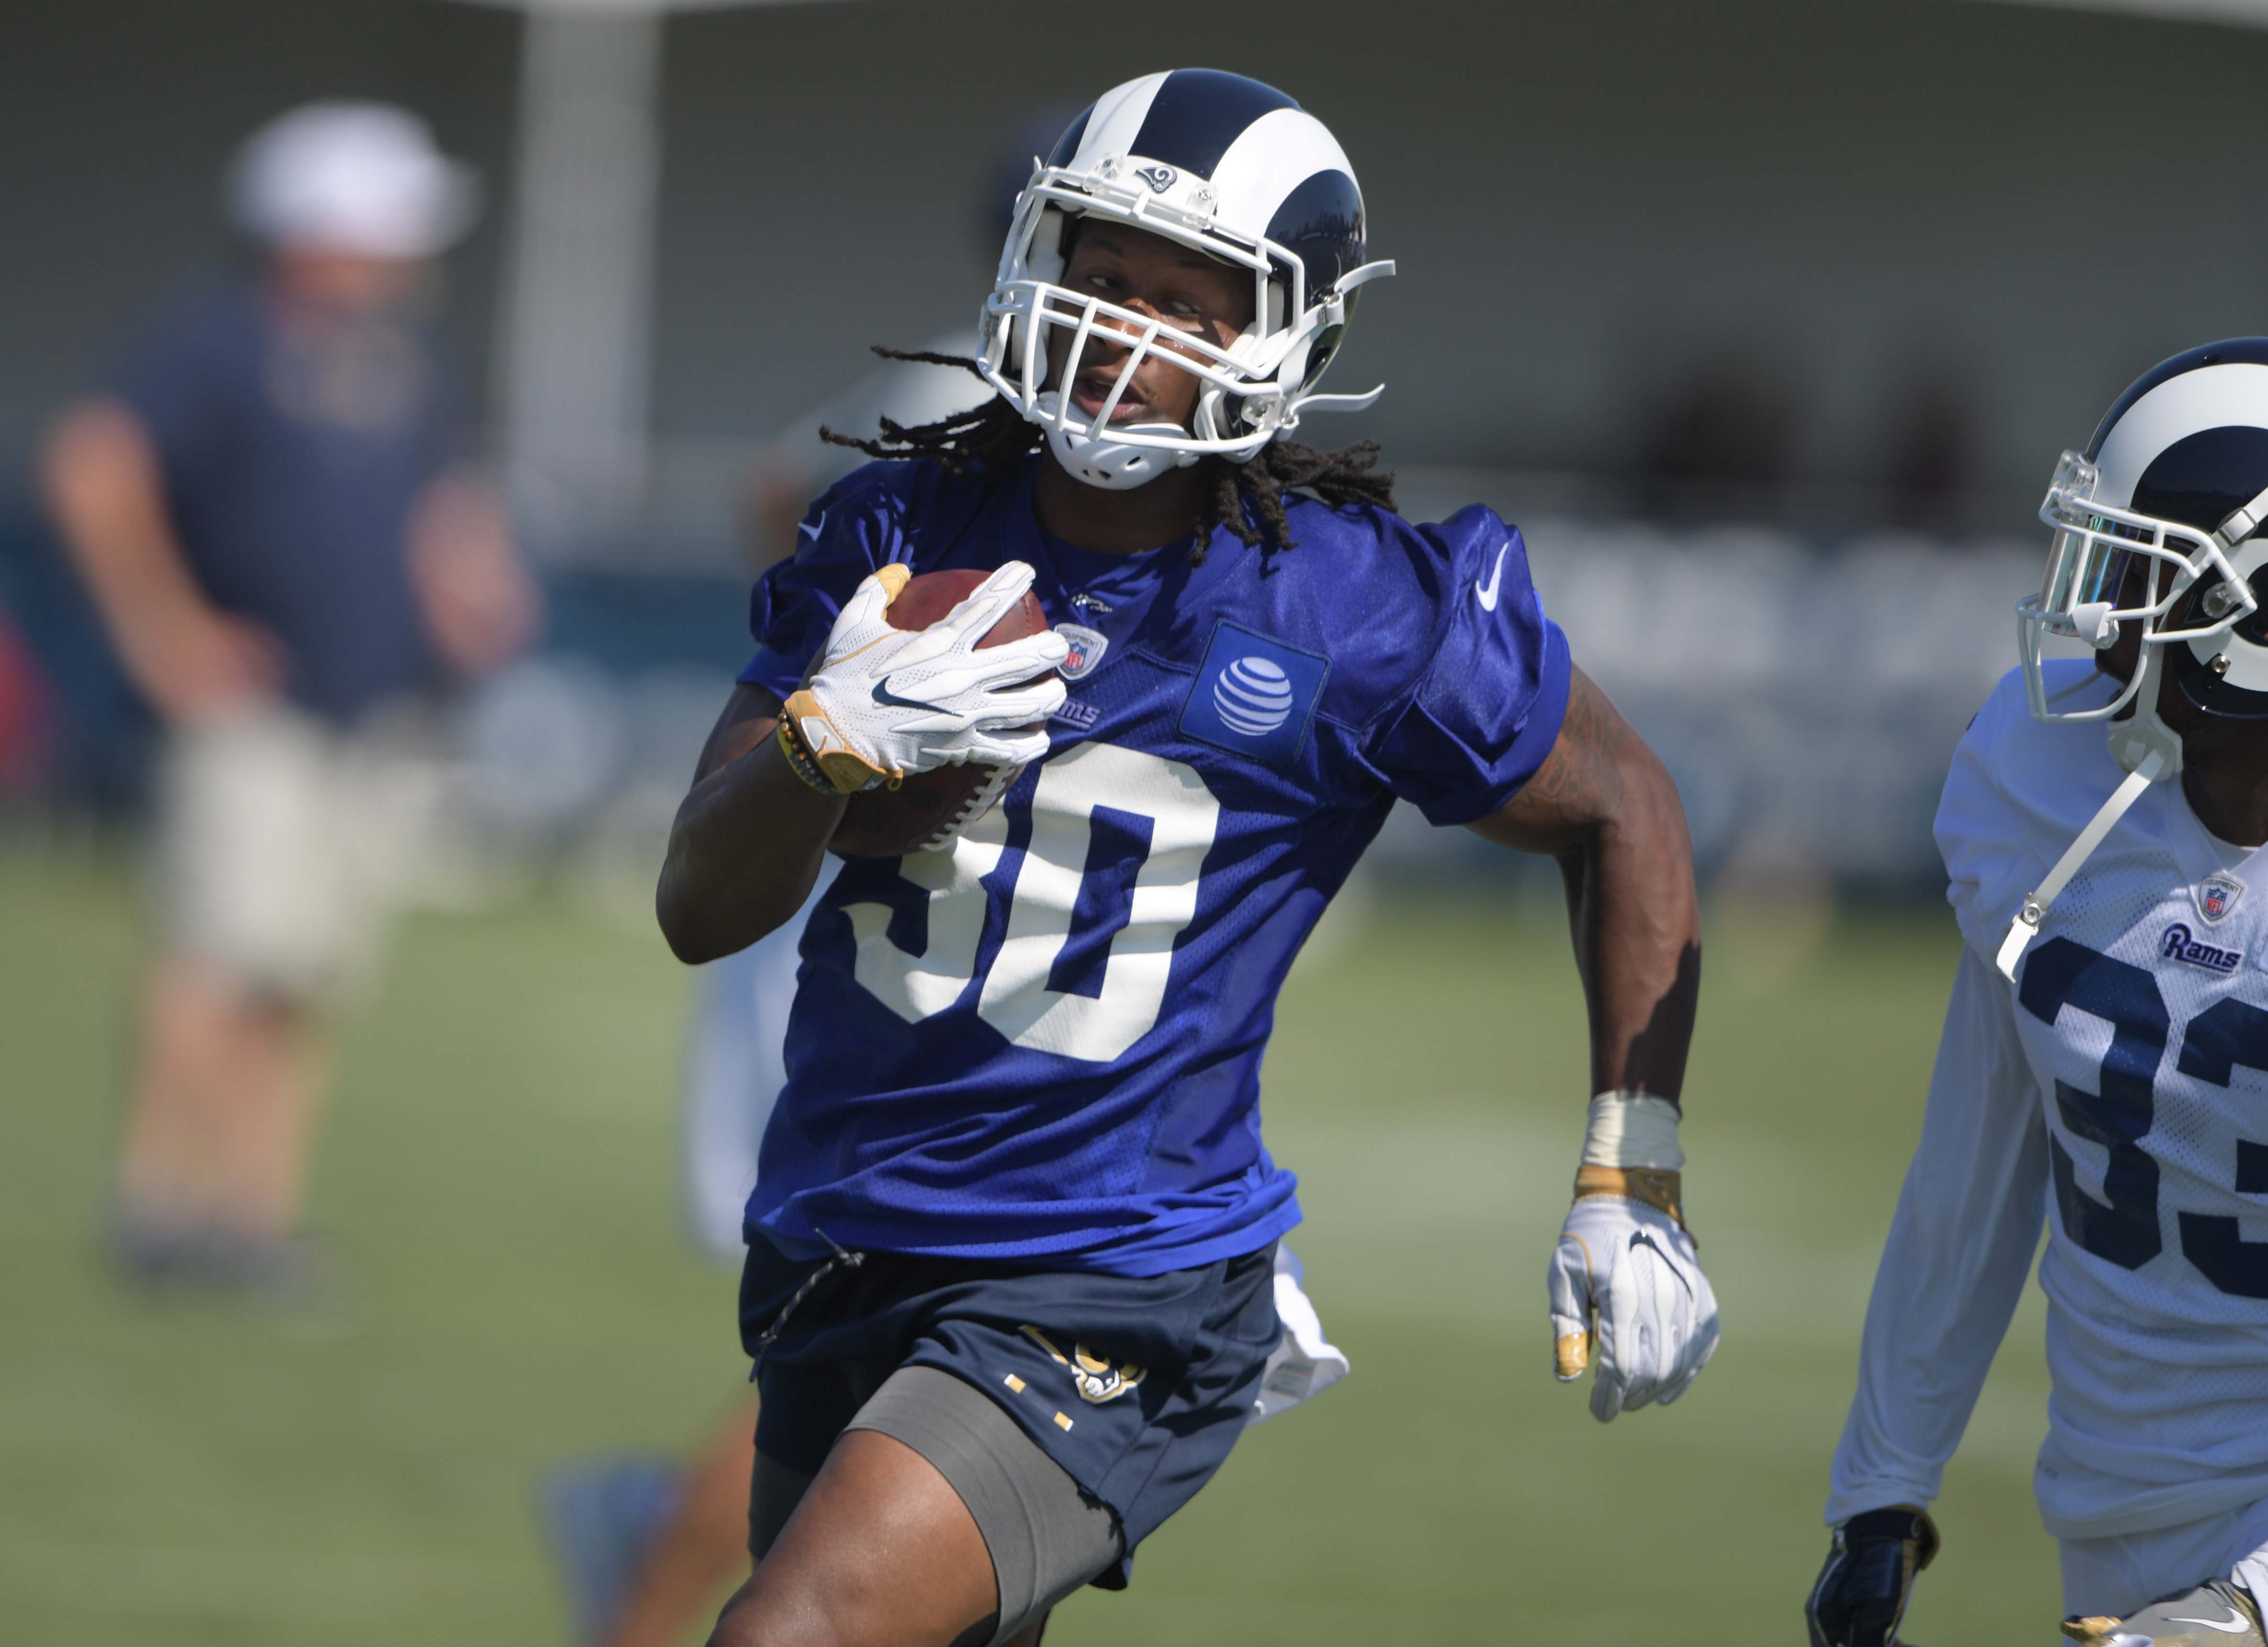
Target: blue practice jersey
[(1044, 1043)]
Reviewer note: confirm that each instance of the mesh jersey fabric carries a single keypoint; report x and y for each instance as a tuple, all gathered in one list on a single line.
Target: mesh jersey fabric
[(1045, 1041), (2118, 1087)]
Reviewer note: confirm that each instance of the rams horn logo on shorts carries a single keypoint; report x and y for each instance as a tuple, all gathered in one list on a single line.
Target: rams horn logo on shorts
[(1098, 1378), (1159, 178)]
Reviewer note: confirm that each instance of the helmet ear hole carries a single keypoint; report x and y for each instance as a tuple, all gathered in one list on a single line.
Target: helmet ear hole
[(2253, 626)]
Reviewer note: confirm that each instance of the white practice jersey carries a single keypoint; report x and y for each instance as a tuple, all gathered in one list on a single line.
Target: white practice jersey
[(2119, 1089)]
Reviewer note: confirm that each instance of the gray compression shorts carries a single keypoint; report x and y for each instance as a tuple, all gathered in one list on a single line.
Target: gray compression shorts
[(1046, 1537)]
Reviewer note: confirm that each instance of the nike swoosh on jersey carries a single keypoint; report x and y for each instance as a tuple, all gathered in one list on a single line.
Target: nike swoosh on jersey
[(1639, 1237), (1486, 593), (2235, 1625)]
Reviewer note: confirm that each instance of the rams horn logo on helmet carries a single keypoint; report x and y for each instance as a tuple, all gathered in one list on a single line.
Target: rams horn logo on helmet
[(1159, 178), (1097, 1378)]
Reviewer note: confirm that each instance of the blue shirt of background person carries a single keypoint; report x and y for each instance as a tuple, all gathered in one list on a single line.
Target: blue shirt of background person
[(294, 445)]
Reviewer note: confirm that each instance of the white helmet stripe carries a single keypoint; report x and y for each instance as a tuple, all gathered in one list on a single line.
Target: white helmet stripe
[(2208, 397), (1269, 158), (1118, 117)]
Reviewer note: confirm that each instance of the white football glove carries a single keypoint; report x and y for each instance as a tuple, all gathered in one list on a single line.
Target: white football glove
[(1625, 1278), (885, 703)]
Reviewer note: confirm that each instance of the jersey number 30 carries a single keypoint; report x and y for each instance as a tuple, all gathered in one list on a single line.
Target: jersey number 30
[(1106, 885), (2123, 1227)]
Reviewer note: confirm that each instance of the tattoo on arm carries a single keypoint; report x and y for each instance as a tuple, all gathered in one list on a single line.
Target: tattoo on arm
[(1602, 804), (1581, 784)]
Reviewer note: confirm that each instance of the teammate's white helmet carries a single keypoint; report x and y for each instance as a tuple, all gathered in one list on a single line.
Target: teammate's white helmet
[(1228, 166), (364, 178), (2158, 513)]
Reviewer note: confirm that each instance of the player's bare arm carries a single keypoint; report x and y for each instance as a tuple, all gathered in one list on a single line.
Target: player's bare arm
[(1628, 1297), (748, 840), (1604, 806)]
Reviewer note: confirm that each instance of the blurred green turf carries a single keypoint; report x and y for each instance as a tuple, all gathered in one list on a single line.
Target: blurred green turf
[(498, 1176)]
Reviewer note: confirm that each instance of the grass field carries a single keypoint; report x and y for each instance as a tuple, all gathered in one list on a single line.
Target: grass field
[(498, 1178)]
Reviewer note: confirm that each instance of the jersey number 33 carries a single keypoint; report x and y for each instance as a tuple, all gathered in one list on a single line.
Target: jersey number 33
[(2124, 1226)]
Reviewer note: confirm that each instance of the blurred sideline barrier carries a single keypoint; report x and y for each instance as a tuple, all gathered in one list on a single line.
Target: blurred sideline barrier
[(1806, 688), (1807, 699)]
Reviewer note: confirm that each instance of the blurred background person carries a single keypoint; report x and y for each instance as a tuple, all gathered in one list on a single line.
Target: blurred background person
[(261, 507)]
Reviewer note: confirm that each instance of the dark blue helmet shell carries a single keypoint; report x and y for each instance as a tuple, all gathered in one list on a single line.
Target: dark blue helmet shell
[(1194, 120)]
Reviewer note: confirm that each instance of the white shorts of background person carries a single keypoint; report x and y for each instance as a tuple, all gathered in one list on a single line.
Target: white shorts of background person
[(285, 845), (2118, 1575)]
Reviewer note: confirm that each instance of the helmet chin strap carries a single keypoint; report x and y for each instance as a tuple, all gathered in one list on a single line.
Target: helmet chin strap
[(2149, 750), (1111, 465)]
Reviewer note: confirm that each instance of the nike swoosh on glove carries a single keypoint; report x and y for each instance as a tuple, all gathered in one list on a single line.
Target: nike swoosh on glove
[(1626, 1278), (886, 703)]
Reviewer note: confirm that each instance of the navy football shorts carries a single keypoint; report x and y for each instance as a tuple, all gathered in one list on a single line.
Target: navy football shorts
[(1137, 1388)]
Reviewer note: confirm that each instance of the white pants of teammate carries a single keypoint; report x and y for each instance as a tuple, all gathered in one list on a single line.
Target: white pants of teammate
[(735, 1069), (2114, 1577)]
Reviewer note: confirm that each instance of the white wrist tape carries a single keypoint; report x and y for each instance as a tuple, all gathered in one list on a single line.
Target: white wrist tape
[(1633, 1129)]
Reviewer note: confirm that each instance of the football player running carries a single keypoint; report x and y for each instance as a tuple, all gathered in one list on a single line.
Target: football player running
[(2105, 1057), (1008, 1288)]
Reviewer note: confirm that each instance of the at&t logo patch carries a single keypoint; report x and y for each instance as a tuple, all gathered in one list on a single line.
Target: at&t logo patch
[(1254, 696)]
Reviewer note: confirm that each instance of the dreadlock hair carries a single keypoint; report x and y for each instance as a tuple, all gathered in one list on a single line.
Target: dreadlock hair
[(1247, 498)]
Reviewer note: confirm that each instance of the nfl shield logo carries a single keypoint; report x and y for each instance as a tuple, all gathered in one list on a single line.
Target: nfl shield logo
[(2218, 893), (1086, 649)]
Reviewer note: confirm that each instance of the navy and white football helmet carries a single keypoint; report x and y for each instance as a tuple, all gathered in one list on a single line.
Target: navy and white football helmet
[(1229, 167), (2159, 513), (2154, 526)]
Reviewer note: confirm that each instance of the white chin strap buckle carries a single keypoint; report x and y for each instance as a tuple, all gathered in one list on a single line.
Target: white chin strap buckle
[(2093, 623), (1114, 466)]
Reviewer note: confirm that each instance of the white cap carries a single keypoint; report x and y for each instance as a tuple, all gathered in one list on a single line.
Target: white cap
[(360, 178)]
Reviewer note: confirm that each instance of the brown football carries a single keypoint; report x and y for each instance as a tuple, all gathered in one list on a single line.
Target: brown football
[(929, 808)]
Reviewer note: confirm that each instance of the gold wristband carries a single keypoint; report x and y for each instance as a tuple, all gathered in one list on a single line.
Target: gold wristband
[(1658, 1187), (799, 757), (842, 770)]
